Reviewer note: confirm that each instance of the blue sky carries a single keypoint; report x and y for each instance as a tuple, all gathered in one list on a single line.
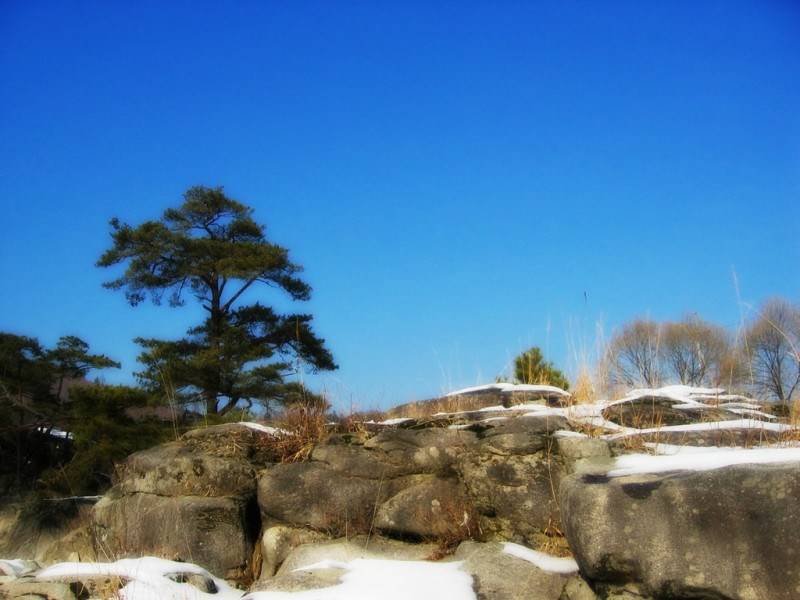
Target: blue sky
[(460, 180)]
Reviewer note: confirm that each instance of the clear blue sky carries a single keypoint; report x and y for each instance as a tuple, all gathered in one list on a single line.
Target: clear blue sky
[(461, 180)]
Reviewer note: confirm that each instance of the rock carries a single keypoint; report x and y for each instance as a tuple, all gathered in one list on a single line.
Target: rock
[(424, 483), (192, 500), (290, 579), (744, 437), (35, 530), (278, 541), (521, 435), (724, 533), (577, 448), (500, 576), (215, 533), (176, 470), (577, 589), (28, 589), (431, 450), (355, 461), (314, 495), (13, 569), (514, 495), (75, 546), (432, 509), (656, 411)]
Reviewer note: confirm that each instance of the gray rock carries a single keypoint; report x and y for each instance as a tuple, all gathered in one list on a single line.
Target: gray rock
[(431, 509), (313, 495), (576, 448), (278, 541), (211, 532), (431, 450), (577, 589), (26, 589), (655, 411), (725, 533), (500, 576), (521, 435), (75, 546), (513, 494), (175, 470)]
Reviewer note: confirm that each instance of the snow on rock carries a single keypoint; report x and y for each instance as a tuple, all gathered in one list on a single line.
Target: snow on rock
[(700, 460), (546, 562), (566, 433), (390, 422), (146, 578), (367, 579), (679, 393), (750, 411), (737, 424), (275, 431), (507, 388)]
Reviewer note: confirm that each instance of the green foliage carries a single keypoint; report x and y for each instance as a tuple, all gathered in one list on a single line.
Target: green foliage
[(102, 434), (210, 247), (530, 367), (32, 404)]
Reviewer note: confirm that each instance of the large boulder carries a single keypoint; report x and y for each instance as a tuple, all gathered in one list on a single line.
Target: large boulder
[(214, 532), (512, 476), (313, 495), (433, 483), (47, 530), (727, 533), (190, 500), (177, 470), (498, 575), (434, 508)]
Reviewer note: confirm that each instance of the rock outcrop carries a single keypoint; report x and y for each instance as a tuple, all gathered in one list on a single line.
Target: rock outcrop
[(458, 487), (190, 500), (499, 478), (721, 534)]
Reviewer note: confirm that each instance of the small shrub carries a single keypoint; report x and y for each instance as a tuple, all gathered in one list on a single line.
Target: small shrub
[(530, 367)]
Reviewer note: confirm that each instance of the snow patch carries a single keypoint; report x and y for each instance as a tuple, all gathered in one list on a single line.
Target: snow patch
[(703, 460), (507, 388), (146, 578), (367, 579), (274, 431), (545, 562), (710, 426), (395, 421)]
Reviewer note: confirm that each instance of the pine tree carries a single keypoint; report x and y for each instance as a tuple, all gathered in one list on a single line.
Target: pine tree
[(211, 248), (530, 367)]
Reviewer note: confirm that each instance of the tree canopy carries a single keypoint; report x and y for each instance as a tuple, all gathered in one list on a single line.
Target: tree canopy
[(211, 248)]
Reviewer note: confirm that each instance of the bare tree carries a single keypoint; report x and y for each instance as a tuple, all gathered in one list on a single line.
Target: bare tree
[(694, 350), (772, 343), (632, 357)]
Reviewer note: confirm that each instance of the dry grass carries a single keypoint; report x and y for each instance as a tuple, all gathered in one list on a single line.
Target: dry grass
[(355, 422), (583, 391), (457, 521), (305, 427), (553, 541)]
